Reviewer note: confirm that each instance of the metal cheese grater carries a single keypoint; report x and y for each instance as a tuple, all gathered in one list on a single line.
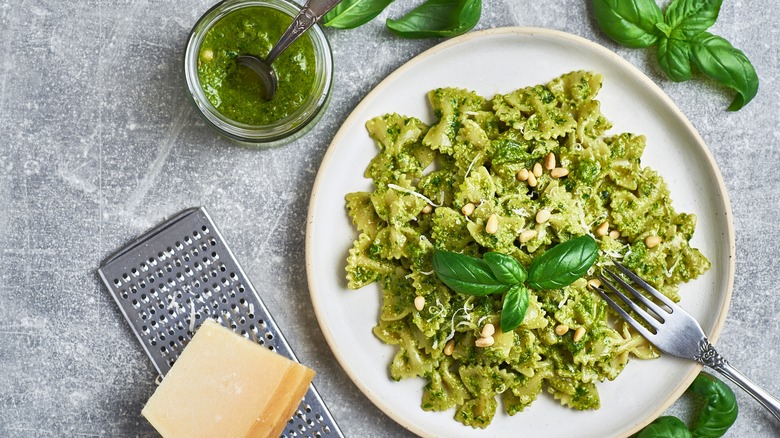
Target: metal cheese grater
[(168, 281)]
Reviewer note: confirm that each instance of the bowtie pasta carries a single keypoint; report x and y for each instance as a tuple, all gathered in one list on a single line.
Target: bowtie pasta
[(538, 149)]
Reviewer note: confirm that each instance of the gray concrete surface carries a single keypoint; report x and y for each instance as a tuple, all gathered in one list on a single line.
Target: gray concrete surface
[(98, 142)]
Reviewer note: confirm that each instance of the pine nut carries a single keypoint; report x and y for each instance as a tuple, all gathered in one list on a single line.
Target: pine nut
[(614, 234), (492, 224), (527, 235), (602, 229), (549, 161), (537, 170), (652, 241), (522, 174), (468, 209), (561, 329), (578, 334), (207, 55), (595, 283), (488, 330), (484, 342), (419, 303), (543, 216), (531, 180), (449, 347), (559, 172), (427, 209)]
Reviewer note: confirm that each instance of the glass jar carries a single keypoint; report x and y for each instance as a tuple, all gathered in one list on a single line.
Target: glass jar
[(277, 132)]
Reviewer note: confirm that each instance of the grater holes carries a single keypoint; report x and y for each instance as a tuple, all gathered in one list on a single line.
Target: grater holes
[(123, 293), (134, 272), (187, 240), (178, 246), (196, 234)]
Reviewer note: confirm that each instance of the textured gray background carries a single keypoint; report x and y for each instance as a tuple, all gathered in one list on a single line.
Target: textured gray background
[(98, 143)]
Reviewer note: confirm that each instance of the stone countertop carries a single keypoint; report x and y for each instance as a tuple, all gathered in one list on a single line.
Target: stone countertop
[(98, 143)]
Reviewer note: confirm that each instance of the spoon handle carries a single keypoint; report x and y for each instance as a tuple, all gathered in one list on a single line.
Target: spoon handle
[(311, 12)]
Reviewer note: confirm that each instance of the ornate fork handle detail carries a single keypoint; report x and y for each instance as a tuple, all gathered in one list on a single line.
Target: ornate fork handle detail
[(709, 357)]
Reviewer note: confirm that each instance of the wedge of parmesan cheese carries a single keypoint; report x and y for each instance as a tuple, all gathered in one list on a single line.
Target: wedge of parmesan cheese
[(226, 385)]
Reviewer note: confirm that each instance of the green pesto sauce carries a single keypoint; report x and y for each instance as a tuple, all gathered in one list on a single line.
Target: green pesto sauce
[(234, 89)]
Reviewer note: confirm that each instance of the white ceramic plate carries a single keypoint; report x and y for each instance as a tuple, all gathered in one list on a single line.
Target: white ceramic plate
[(500, 61)]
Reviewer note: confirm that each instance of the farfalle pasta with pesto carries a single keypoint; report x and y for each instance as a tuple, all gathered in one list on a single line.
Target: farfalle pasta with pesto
[(515, 174)]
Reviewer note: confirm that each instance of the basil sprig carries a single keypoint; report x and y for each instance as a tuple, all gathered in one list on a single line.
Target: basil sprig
[(682, 39), (430, 19), (498, 273), (716, 415), (438, 18), (350, 14)]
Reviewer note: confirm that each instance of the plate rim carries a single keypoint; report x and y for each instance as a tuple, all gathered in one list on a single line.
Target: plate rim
[(524, 31)]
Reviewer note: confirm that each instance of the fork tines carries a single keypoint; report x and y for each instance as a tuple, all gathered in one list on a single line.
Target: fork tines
[(659, 312)]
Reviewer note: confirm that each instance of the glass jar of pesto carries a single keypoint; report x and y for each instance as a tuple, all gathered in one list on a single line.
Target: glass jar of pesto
[(229, 95)]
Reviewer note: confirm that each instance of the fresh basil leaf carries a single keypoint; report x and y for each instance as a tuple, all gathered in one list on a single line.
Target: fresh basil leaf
[(514, 308), (560, 265), (466, 275), (631, 23), (665, 427), (506, 269), (350, 14), (720, 409), (688, 18), (438, 18), (718, 59), (674, 57)]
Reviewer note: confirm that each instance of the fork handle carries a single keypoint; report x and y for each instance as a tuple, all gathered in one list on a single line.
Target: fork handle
[(769, 402)]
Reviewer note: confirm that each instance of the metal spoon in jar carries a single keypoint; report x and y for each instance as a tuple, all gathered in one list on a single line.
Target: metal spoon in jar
[(311, 12)]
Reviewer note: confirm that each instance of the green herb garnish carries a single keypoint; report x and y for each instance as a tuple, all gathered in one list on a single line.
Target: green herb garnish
[(350, 14), (682, 39), (497, 273), (430, 19), (716, 416), (438, 18)]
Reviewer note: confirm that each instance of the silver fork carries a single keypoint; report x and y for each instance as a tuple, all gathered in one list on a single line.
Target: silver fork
[(676, 332)]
